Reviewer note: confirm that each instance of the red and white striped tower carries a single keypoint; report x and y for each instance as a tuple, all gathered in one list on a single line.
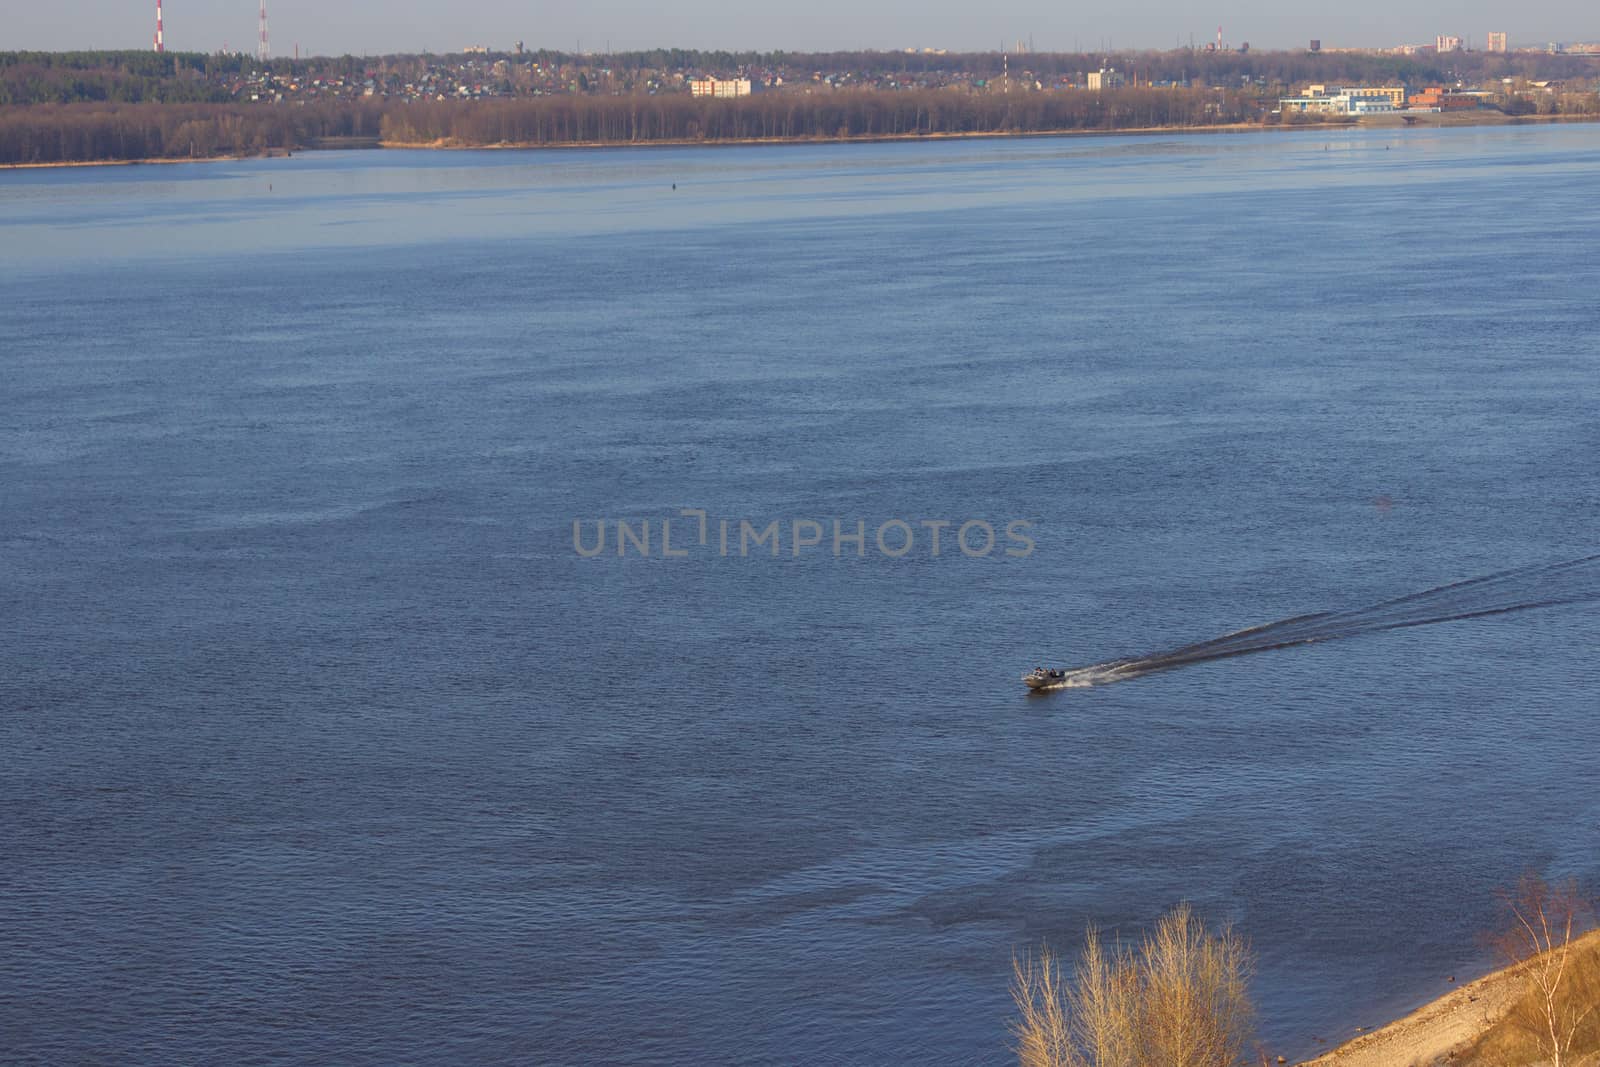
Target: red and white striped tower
[(160, 44), (263, 52)]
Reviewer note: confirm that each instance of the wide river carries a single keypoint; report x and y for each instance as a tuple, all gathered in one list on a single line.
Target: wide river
[(323, 742)]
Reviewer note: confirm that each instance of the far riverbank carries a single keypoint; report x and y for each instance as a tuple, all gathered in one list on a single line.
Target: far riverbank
[(1389, 122)]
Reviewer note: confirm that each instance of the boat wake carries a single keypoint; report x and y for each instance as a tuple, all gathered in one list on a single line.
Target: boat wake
[(1537, 586)]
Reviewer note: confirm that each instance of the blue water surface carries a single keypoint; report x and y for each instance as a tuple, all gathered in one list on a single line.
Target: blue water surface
[(320, 742)]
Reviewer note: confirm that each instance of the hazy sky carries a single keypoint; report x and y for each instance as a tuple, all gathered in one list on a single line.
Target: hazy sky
[(375, 26)]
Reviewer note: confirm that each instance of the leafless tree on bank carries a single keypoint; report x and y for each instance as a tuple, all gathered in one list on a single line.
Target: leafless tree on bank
[(1180, 999), (1563, 988)]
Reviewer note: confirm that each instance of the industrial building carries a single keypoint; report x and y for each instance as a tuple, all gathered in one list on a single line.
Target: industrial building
[(1435, 98)]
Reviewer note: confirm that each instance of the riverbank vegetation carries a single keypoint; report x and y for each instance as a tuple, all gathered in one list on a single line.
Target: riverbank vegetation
[(1555, 1018), (1179, 998), (79, 133), (59, 133), (863, 113)]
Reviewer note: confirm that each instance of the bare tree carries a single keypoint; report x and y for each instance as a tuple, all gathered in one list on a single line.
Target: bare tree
[(1563, 990), (1179, 1000), (1105, 1003), (1196, 1001), (1042, 1029)]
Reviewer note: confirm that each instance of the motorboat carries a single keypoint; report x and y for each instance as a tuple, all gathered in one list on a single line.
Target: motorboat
[(1044, 678)]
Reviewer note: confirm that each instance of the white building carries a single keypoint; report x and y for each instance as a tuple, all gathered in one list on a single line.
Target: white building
[(720, 87), (1106, 78), (1334, 100), (1443, 44)]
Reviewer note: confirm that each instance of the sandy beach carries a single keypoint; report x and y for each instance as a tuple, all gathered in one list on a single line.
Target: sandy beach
[(1438, 1032)]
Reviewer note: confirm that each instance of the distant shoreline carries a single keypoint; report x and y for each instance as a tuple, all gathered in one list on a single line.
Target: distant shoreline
[(158, 160), (276, 153), (1387, 122), (447, 145)]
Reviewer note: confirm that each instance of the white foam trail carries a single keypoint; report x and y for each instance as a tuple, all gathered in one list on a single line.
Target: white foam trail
[(1537, 586)]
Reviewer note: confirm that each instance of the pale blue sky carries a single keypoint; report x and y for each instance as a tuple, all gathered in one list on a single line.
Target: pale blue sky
[(374, 26)]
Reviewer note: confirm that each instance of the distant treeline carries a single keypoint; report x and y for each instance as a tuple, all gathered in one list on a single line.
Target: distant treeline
[(83, 132), (113, 77), (865, 113), (76, 133), (87, 132)]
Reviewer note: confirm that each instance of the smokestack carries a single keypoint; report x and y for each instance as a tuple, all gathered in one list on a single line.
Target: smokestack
[(160, 44)]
